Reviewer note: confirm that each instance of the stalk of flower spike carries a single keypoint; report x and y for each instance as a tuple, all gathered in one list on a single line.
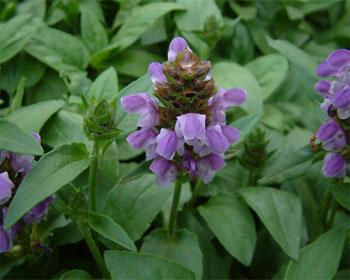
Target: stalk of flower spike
[(13, 169), (182, 127), (334, 134), (174, 208)]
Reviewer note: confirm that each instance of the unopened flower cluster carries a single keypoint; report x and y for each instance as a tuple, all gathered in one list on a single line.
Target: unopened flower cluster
[(335, 132), (183, 126), (13, 169)]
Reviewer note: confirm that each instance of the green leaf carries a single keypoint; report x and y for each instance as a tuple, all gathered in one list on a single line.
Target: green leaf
[(134, 62), (281, 170), (52, 172), (92, 31), (320, 259), (246, 124), (196, 15), (231, 222), (341, 193), (127, 265), (63, 128), (13, 139), (75, 274), (280, 212), (135, 204), (105, 226), (231, 75), (105, 86), (270, 71), (61, 51), (135, 25), (32, 118), (183, 249), (128, 122), (35, 8), (246, 12), (15, 34)]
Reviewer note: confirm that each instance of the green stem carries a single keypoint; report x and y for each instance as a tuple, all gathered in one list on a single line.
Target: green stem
[(325, 205), (94, 249), (173, 211), (92, 175), (192, 203), (332, 211)]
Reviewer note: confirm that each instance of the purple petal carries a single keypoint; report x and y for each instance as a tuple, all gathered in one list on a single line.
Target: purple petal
[(141, 138), (233, 97), (151, 151), (217, 141), (178, 44), (6, 187), (189, 164), (36, 137), (166, 143), (156, 73), (232, 134), (21, 163), (38, 212), (328, 130), (149, 119), (165, 171), (5, 240), (138, 103), (325, 69), (216, 162), (342, 99), (334, 166), (339, 58), (190, 126), (323, 86)]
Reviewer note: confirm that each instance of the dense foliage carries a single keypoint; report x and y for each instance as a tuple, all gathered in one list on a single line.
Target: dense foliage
[(223, 155)]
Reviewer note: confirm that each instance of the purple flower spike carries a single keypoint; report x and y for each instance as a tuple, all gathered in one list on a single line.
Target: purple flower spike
[(166, 143), (156, 73), (339, 58), (341, 101), (190, 126), (177, 45), (141, 138), (217, 141), (6, 187), (38, 212), (334, 166), (165, 171)]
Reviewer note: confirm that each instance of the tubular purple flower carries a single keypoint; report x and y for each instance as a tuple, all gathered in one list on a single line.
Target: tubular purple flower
[(6, 187), (323, 87), (177, 45), (207, 167), (332, 136), (190, 126), (232, 134), (341, 101), (156, 73), (217, 141), (166, 143), (165, 171), (334, 165), (339, 58), (38, 212), (141, 138)]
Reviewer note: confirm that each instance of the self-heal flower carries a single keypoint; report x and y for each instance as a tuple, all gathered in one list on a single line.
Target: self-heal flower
[(183, 128), (334, 134), (6, 187)]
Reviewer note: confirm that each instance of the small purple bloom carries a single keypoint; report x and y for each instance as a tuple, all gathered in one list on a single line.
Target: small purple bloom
[(141, 138), (144, 105), (177, 45), (325, 69), (165, 171), (323, 87), (334, 165), (21, 163), (36, 137), (189, 164), (190, 126), (207, 167), (217, 141), (38, 212), (156, 73), (232, 134), (166, 143), (339, 58), (6, 187), (331, 135), (341, 101)]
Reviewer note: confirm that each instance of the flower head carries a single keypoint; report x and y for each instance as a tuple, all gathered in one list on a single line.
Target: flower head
[(334, 134), (183, 126), (13, 169)]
